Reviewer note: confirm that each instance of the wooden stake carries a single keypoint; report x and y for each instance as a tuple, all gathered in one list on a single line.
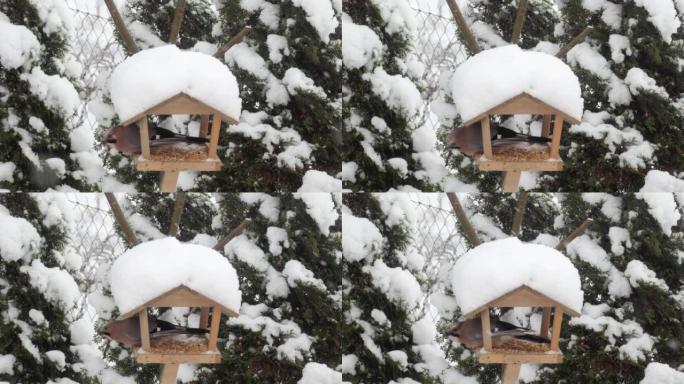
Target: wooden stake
[(576, 40), (177, 21), (144, 329), (555, 139), (204, 126), (519, 20), (213, 331), (213, 140), (231, 235), (486, 331), (555, 331), (144, 137), (204, 317), (169, 372), (511, 374), (577, 232), (176, 214), (519, 213), (121, 27), (511, 181), (120, 219), (233, 40), (468, 36), (470, 232), (546, 126), (486, 138), (169, 180), (546, 320)]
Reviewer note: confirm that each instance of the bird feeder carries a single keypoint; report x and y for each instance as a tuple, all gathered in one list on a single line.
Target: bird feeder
[(510, 81), (168, 81)]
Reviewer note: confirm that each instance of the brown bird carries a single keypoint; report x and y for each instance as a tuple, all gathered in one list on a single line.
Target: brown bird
[(127, 331), (126, 138), (469, 333), (468, 139)]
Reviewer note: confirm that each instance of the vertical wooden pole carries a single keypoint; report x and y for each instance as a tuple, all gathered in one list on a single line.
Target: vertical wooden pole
[(546, 320), (555, 331), (511, 374), (215, 324), (204, 317), (169, 372), (204, 126), (121, 27), (546, 126), (555, 140), (144, 137), (215, 132), (144, 330), (519, 20), (486, 331), (511, 181), (177, 21), (486, 138), (169, 179)]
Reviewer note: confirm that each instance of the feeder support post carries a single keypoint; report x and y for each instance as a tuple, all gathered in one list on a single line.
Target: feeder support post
[(511, 373), (486, 138), (546, 321), (486, 331), (213, 331), (213, 140), (511, 181), (144, 329), (144, 137), (169, 372), (169, 180), (555, 331), (555, 139), (546, 126)]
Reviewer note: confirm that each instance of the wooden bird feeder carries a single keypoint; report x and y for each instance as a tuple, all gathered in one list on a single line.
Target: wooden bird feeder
[(538, 157), (521, 353), (172, 159), (170, 350)]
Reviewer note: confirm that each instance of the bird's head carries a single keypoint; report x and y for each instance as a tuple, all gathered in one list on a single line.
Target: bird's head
[(454, 332), (111, 137)]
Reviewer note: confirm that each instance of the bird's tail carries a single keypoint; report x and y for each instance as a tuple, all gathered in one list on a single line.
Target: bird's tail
[(533, 338), (507, 133)]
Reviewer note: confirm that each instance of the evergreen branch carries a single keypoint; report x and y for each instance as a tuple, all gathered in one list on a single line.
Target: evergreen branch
[(463, 219), (232, 234), (470, 40), (233, 40), (519, 20), (177, 20), (577, 232), (121, 219), (176, 215), (519, 213), (120, 25), (576, 40)]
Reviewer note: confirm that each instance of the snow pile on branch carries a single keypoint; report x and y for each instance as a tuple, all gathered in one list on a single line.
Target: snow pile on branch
[(496, 75), (19, 238), (663, 16), (360, 237), (320, 15), (153, 75), (151, 269), (17, 46), (361, 45), (493, 269), (658, 373), (316, 373)]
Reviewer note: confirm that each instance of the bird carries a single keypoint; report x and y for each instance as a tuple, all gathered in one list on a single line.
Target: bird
[(126, 138), (127, 331), (468, 139), (469, 333)]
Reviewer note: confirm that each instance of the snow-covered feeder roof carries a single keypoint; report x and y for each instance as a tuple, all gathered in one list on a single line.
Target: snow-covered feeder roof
[(497, 268), (153, 76), (493, 77), (151, 270)]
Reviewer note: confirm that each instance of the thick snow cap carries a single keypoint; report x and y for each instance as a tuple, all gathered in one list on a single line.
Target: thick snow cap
[(497, 75), (157, 74), (153, 268), (495, 268)]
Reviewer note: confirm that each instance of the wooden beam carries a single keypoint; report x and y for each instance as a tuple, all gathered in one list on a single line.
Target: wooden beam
[(169, 181), (519, 20), (546, 126), (486, 137), (519, 214), (177, 21), (555, 330), (511, 374), (168, 375), (575, 40), (144, 137), (468, 36), (486, 331), (144, 330), (545, 322), (233, 40), (511, 181), (204, 126), (176, 214), (204, 317), (577, 232), (470, 232), (120, 219), (214, 330), (232, 234), (556, 137), (131, 47), (214, 136)]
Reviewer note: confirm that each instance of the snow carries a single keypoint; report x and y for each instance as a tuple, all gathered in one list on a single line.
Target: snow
[(320, 15), (495, 268), (243, 56), (348, 364), (588, 57), (638, 273), (57, 357), (315, 373), (663, 208), (277, 47), (154, 75), (277, 240), (660, 181), (423, 331), (55, 15), (56, 284), (297, 274), (637, 80), (399, 357), (398, 15), (361, 47), (7, 363), (7, 171), (496, 75), (297, 81), (320, 207), (398, 91), (662, 15), (400, 286), (19, 238), (54, 90), (153, 268), (619, 47), (17, 46), (245, 250), (658, 373), (587, 250), (360, 237)]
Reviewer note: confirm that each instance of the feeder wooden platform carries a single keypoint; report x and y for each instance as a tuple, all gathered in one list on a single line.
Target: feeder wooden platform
[(209, 357), (519, 357), (178, 157)]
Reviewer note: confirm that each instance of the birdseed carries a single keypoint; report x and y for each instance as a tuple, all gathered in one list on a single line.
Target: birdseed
[(521, 152), (179, 152), (179, 344), (514, 346)]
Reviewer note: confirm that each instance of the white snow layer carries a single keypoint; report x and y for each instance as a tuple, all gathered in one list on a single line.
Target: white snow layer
[(316, 373), (19, 238), (155, 267), (17, 46), (320, 14), (154, 75), (658, 373), (662, 15), (496, 75), (495, 268), (361, 45)]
